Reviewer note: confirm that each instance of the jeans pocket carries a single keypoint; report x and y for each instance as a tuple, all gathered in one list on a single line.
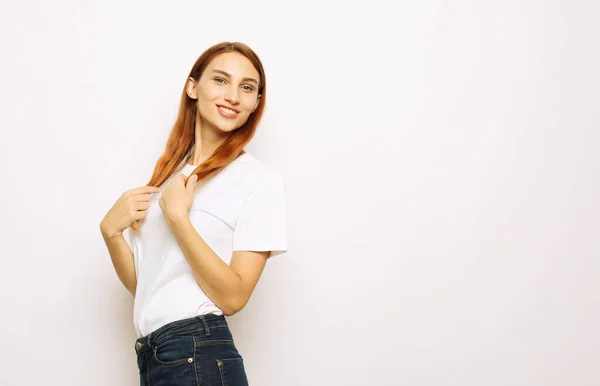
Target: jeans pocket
[(232, 372), (174, 350)]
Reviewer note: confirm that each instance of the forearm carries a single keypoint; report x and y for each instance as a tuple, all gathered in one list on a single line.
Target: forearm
[(122, 259), (217, 279)]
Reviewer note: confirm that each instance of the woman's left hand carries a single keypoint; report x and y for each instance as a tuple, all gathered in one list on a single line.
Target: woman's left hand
[(177, 197)]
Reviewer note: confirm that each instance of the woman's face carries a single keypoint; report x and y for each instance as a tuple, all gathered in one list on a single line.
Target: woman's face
[(226, 93)]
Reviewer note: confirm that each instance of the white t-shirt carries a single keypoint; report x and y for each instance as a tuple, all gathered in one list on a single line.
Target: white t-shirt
[(242, 207)]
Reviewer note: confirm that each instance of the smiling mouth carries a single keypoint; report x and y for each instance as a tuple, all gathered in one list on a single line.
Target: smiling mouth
[(227, 113)]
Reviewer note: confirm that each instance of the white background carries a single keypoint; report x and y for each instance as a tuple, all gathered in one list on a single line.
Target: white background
[(441, 160)]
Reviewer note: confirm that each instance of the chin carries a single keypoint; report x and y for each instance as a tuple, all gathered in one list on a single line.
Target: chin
[(227, 128)]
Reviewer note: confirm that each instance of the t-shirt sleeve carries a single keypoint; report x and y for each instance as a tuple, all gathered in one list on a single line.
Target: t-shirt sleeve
[(262, 223), (130, 236)]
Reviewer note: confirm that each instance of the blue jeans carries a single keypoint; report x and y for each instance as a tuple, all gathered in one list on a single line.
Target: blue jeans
[(198, 351)]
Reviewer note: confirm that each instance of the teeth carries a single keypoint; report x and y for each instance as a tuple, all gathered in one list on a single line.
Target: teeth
[(226, 110)]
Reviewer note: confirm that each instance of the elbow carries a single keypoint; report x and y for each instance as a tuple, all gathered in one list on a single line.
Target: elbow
[(233, 307), (228, 312), (236, 300)]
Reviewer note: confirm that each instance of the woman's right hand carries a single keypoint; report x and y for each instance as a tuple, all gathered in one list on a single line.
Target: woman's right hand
[(130, 207)]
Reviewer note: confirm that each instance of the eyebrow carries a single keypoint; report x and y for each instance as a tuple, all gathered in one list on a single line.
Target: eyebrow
[(243, 80)]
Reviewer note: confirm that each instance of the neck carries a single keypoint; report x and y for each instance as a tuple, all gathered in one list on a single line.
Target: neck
[(207, 140)]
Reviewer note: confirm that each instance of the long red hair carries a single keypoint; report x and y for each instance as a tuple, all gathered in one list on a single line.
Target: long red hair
[(181, 140)]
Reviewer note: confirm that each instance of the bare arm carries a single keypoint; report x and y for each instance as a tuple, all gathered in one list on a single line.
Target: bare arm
[(131, 206), (122, 259), (228, 286)]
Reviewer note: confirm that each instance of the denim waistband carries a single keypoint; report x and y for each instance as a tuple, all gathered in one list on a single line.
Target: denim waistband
[(194, 324)]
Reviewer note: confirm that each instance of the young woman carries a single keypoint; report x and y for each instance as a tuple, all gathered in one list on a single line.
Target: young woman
[(202, 229)]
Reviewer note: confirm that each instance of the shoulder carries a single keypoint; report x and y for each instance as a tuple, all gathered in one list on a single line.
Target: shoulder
[(255, 171)]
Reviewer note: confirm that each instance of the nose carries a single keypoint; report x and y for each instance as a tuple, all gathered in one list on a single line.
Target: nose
[(231, 95)]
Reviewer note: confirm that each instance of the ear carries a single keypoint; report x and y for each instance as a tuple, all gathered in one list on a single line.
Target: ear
[(190, 88)]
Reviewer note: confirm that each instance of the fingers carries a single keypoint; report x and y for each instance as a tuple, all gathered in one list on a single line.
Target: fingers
[(141, 205), (140, 214), (144, 190), (144, 197), (191, 182)]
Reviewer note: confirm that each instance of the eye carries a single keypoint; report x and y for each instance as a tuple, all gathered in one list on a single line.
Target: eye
[(219, 79), (248, 87)]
